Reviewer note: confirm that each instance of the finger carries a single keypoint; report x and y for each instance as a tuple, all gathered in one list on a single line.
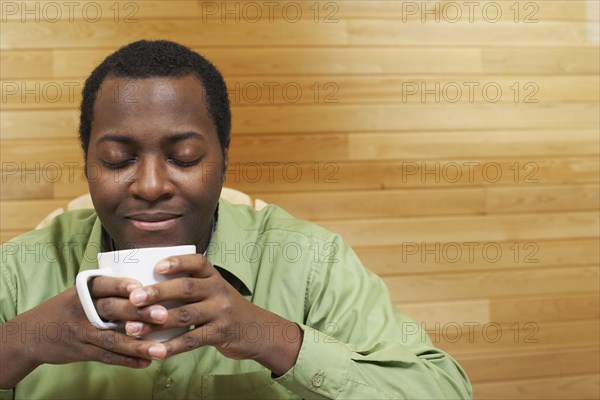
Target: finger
[(126, 346), (187, 290), (196, 265), (99, 354), (137, 328), (192, 314), (116, 309), (202, 336), (106, 286)]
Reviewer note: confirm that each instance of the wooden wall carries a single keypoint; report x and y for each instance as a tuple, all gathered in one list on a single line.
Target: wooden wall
[(458, 154)]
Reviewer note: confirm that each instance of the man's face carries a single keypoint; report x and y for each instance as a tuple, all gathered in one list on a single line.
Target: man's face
[(154, 164)]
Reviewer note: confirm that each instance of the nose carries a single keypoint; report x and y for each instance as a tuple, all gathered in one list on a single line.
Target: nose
[(151, 181)]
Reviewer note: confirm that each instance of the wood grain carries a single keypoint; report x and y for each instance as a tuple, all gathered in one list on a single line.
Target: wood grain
[(505, 311), (20, 216), (492, 284), (396, 231), (468, 339), (348, 118), (323, 11), (415, 202), (281, 32), (454, 256), (268, 176), (556, 387), (500, 366), (387, 145), (582, 306), (78, 63), (332, 89)]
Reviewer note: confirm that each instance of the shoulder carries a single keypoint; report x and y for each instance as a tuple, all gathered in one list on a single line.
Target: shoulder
[(67, 224), (42, 263), (273, 220), (71, 229)]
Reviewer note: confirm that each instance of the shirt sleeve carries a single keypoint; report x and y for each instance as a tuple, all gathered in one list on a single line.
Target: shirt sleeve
[(357, 344)]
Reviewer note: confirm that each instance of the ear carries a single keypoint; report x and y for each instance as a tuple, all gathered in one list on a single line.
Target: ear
[(225, 164)]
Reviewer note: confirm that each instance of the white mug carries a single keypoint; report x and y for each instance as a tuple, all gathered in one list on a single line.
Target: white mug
[(137, 264)]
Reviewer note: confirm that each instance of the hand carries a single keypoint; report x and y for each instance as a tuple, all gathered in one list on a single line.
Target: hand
[(223, 318), (58, 332)]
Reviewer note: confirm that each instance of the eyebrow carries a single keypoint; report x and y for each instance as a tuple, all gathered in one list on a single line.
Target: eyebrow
[(115, 138), (178, 137)]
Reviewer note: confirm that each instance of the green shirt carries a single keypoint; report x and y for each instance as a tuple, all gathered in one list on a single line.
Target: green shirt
[(356, 343)]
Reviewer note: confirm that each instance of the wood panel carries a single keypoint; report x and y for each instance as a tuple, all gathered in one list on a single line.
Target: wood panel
[(418, 257), (491, 143), (379, 204), (327, 12), (39, 124), (25, 215), (386, 146), (567, 60), (303, 32), (542, 309), (462, 312), (474, 337), (24, 184), (542, 198), (571, 387), (413, 145), (500, 366), (505, 311), (78, 63), (492, 284), (395, 231), (317, 177), (348, 118), (331, 89)]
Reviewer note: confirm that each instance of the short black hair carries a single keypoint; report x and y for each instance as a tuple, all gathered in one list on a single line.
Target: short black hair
[(158, 58)]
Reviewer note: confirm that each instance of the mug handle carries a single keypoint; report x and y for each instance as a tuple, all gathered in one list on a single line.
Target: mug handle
[(81, 283)]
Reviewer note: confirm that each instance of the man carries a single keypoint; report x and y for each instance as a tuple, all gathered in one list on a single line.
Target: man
[(267, 321)]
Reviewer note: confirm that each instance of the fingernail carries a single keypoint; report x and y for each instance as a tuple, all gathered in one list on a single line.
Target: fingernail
[(158, 313), (157, 352), (163, 266), (132, 286), (144, 363), (138, 296), (133, 328)]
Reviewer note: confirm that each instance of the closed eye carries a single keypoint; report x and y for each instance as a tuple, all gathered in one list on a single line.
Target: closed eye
[(185, 164), (118, 165)]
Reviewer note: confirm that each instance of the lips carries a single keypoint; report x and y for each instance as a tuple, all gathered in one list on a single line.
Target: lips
[(153, 221)]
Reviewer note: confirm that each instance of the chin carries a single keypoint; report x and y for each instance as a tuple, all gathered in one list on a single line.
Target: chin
[(154, 240)]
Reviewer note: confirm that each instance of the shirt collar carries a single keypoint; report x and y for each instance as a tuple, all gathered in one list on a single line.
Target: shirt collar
[(232, 245), (97, 242)]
